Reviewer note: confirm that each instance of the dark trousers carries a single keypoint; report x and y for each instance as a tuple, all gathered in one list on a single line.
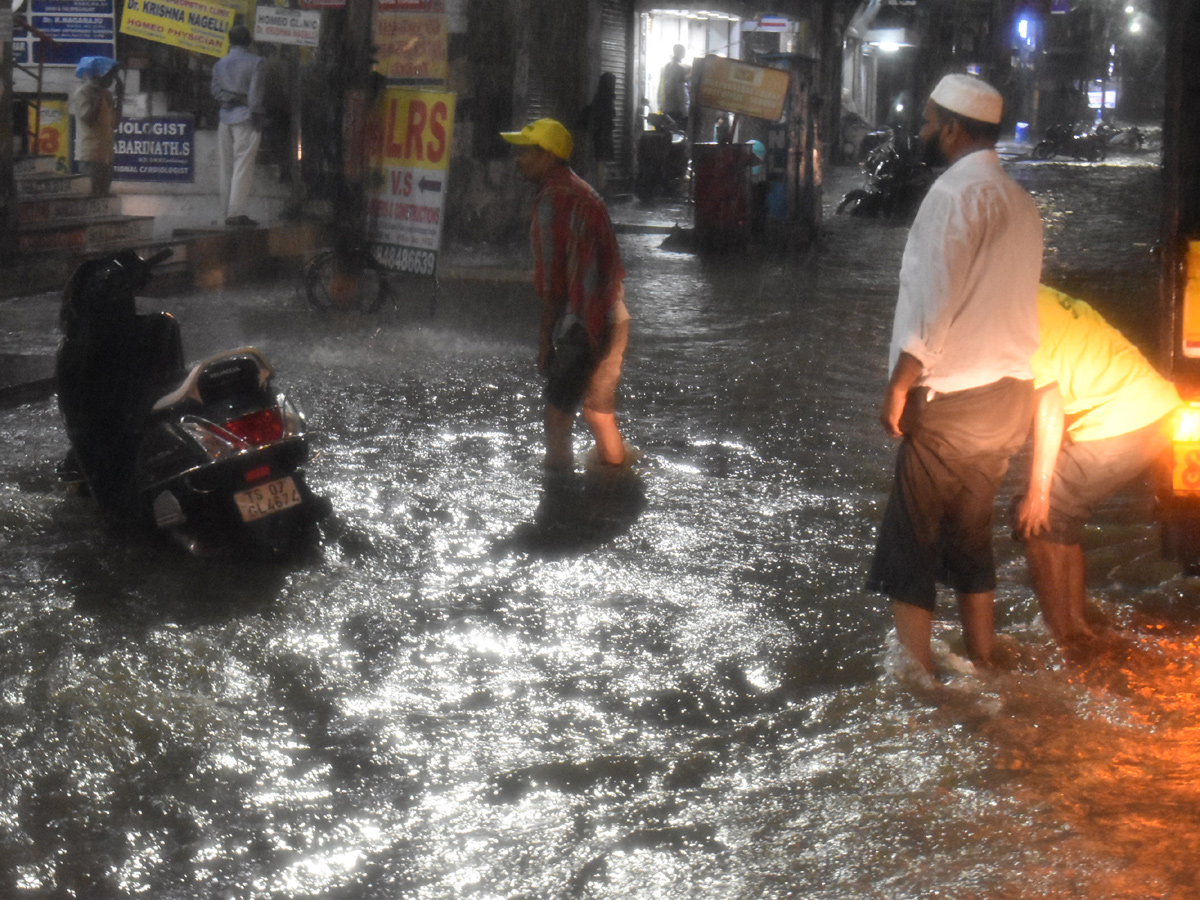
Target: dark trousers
[(938, 521)]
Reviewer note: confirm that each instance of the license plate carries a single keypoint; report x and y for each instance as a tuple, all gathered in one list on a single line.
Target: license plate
[(267, 499), (1185, 475)]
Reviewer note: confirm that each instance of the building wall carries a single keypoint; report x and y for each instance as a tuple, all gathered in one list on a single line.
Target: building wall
[(520, 60)]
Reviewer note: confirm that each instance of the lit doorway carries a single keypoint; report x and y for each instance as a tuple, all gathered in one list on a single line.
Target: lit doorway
[(700, 33)]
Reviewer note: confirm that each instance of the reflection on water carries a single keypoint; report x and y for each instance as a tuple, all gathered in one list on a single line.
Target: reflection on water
[(666, 683), (578, 514), (1121, 763)]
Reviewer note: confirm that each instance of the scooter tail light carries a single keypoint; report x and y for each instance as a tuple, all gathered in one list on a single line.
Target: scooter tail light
[(261, 427)]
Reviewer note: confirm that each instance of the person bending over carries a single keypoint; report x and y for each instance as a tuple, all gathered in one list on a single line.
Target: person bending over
[(1102, 416)]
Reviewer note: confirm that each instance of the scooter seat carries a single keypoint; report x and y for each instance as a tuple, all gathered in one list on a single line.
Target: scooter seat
[(219, 375)]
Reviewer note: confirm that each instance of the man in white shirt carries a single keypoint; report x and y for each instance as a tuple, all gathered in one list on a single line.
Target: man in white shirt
[(237, 84), (961, 392)]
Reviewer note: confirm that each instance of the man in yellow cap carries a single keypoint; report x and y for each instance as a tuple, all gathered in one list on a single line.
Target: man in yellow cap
[(579, 276), (1102, 416)]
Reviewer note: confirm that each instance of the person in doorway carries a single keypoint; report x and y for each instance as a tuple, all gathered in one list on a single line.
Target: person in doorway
[(960, 393), (95, 111), (579, 276), (598, 122), (673, 88), (237, 84), (1102, 416)]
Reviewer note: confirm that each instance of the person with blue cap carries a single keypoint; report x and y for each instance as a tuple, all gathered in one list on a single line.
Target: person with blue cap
[(95, 113)]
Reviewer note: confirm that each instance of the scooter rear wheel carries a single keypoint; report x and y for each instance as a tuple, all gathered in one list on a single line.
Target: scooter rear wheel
[(336, 282), (1043, 150)]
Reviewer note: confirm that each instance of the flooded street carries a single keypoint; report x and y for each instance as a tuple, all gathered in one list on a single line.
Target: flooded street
[(665, 685)]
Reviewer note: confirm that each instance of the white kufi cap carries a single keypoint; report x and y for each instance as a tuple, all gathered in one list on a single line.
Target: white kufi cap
[(969, 96)]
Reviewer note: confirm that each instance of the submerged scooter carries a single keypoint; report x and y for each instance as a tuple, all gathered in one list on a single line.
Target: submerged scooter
[(1069, 139), (211, 457), (896, 181)]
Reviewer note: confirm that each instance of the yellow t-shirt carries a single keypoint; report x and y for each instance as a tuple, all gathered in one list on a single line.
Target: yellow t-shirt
[(1108, 387)]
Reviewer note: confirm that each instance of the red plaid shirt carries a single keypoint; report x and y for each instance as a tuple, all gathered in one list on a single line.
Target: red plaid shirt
[(575, 256)]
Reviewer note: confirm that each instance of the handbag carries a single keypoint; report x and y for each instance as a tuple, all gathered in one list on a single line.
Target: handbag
[(571, 346)]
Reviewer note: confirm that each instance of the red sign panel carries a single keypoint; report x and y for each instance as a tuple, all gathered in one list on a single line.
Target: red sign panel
[(411, 5)]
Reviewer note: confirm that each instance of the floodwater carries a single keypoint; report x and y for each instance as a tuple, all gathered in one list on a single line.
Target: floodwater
[(667, 685)]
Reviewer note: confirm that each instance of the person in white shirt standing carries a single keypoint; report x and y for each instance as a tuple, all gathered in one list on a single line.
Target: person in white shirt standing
[(961, 391), (237, 84)]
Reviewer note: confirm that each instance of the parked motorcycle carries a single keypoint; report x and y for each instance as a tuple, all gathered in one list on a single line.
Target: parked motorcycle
[(1068, 139), (896, 181), (1130, 139), (662, 158), (209, 456)]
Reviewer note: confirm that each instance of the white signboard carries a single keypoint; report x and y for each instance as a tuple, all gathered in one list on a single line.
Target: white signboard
[(301, 27)]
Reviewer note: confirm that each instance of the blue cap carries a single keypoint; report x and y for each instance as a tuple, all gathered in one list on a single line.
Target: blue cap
[(96, 66)]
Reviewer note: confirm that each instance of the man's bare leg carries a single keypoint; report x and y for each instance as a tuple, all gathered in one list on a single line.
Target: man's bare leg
[(559, 454), (914, 629), (1077, 592), (977, 612), (1058, 576), (609, 445)]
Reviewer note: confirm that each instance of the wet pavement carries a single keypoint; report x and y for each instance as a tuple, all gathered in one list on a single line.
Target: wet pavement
[(667, 683)]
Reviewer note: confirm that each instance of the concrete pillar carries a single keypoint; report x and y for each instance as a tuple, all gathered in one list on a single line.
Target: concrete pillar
[(8, 186)]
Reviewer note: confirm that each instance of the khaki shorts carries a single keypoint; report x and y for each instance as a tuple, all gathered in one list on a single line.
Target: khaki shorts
[(1088, 472), (595, 389)]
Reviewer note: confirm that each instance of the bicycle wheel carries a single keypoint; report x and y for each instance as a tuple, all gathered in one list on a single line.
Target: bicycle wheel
[(337, 282)]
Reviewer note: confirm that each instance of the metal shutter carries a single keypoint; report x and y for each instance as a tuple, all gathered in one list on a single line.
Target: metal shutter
[(616, 26)]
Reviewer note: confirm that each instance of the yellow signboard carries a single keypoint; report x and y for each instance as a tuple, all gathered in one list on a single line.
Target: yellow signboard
[(191, 24), (53, 132), (1185, 471), (741, 88), (1191, 302), (410, 151)]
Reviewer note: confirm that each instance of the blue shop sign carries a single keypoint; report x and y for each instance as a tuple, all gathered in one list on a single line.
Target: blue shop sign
[(156, 148), (79, 28), (73, 7)]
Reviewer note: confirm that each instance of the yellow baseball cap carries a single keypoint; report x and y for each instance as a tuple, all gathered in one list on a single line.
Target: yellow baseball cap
[(549, 134)]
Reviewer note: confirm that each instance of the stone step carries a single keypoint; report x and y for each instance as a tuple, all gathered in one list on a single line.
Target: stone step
[(41, 186), (31, 213), (35, 166), (37, 273), (86, 234)]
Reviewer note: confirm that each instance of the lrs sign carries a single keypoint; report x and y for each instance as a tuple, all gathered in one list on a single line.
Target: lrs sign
[(410, 152)]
